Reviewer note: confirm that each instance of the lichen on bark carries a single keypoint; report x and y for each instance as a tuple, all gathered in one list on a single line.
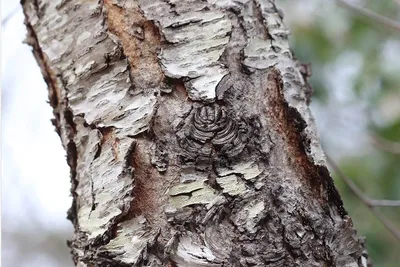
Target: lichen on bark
[(189, 135)]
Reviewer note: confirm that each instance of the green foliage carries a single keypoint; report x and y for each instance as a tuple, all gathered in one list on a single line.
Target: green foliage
[(390, 131)]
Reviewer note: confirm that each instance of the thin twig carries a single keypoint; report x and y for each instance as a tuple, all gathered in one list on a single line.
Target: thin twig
[(384, 203), (369, 203), (10, 15), (385, 145), (372, 15)]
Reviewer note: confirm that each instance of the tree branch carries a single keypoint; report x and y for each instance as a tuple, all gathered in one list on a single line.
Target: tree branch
[(10, 15), (369, 14), (384, 203), (371, 204), (385, 145)]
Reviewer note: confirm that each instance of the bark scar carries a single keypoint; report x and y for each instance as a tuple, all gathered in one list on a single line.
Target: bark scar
[(290, 125)]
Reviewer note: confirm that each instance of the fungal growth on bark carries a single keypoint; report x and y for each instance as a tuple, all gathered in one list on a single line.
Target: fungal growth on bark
[(189, 136)]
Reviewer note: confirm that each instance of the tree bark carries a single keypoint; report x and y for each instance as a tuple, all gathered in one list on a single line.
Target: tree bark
[(189, 136)]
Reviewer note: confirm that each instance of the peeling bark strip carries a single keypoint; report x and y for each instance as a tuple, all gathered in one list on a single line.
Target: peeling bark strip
[(189, 136)]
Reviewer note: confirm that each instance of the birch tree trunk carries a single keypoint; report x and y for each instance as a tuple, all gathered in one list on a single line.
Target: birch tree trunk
[(189, 136)]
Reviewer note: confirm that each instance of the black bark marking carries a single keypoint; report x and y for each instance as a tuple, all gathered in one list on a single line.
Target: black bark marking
[(212, 131), (72, 157)]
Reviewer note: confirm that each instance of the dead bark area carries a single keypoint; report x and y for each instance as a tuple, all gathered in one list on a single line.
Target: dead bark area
[(189, 136)]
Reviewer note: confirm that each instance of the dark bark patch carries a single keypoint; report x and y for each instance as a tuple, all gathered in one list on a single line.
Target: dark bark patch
[(72, 157), (69, 118), (149, 187), (141, 42), (289, 124)]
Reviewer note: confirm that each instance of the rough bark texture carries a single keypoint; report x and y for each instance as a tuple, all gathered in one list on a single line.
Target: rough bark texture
[(189, 137)]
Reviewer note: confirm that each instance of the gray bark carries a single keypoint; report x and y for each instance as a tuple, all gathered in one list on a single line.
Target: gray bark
[(189, 136)]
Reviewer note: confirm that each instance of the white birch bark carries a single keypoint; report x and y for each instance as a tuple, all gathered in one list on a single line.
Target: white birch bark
[(189, 135)]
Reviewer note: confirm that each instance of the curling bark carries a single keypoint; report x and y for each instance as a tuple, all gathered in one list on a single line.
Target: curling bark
[(189, 136)]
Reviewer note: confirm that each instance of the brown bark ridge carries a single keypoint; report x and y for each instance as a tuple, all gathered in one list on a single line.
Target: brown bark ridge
[(189, 136)]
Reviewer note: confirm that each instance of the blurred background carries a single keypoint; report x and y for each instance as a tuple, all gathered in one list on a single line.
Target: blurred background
[(356, 81)]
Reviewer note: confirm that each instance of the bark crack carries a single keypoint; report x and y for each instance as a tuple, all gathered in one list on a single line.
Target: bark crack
[(261, 23)]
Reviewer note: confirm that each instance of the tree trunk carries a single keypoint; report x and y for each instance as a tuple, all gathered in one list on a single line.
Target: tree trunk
[(189, 136)]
